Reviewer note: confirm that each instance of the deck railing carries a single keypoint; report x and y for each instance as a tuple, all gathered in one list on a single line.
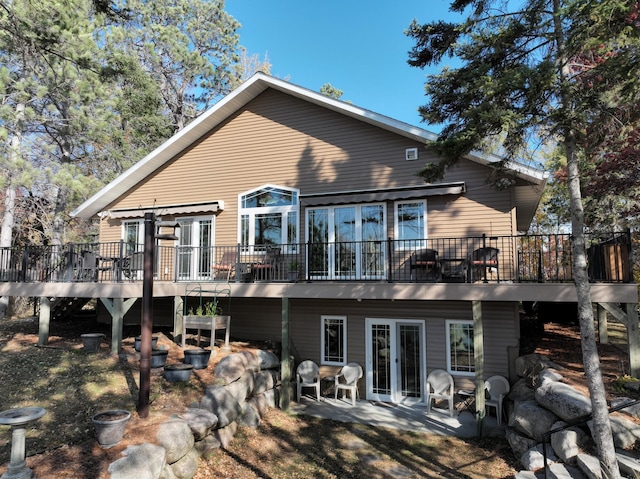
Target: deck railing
[(489, 259)]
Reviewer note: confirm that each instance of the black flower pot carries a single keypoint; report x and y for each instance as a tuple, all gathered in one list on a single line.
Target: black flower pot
[(178, 372), (159, 358), (91, 341), (199, 358), (138, 340), (110, 426)]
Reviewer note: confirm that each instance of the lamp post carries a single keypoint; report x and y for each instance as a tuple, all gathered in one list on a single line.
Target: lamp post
[(146, 324)]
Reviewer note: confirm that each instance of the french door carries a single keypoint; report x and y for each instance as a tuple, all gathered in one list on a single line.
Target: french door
[(347, 242), (194, 249), (395, 360)]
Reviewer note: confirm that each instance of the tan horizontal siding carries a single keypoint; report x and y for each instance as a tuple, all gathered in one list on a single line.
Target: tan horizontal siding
[(259, 319), (281, 140)]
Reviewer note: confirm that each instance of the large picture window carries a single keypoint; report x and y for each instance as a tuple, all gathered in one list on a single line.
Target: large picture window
[(334, 340), (410, 224), (268, 217), (460, 353)]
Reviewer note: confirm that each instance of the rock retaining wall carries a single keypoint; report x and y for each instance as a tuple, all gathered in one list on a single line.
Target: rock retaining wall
[(248, 384), (540, 403)]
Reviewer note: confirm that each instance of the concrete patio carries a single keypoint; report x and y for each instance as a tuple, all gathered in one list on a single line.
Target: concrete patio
[(408, 418)]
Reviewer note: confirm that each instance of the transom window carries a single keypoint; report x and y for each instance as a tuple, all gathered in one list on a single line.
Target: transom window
[(460, 353), (268, 217)]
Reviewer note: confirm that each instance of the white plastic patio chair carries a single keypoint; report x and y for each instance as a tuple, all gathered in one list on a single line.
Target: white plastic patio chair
[(308, 376), (347, 380), (440, 387), (497, 388)]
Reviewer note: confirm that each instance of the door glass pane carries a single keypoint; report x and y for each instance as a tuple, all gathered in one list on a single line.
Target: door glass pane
[(381, 355), (292, 231), (373, 251), (204, 247), (132, 235), (345, 234), (318, 239), (410, 373), (185, 251)]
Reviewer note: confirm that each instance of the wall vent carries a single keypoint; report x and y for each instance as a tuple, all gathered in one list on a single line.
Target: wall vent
[(411, 154)]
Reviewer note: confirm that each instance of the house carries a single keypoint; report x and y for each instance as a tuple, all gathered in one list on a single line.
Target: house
[(302, 216)]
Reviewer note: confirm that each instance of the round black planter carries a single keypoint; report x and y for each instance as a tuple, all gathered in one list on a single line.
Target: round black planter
[(159, 358), (199, 358), (177, 372), (91, 341), (154, 342), (110, 426)]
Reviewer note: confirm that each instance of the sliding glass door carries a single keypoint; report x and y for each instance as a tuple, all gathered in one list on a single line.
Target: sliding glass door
[(347, 242)]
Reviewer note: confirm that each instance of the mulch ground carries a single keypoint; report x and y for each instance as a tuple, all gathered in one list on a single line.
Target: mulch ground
[(89, 460)]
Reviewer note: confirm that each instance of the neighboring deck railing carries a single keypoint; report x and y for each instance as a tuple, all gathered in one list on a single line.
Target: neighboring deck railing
[(523, 258)]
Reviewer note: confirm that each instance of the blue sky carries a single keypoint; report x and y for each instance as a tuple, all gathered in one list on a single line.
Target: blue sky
[(357, 46)]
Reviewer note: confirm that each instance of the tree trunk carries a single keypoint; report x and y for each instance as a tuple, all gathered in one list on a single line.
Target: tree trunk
[(8, 218), (601, 426), (590, 358)]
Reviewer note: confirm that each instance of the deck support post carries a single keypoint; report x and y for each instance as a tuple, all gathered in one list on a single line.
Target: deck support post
[(633, 339), (43, 321), (603, 334), (285, 361), (117, 308), (478, 357), (630, 319), (178, 321)]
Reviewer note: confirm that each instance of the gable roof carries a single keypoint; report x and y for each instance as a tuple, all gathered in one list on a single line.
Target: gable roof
[(249, 90)]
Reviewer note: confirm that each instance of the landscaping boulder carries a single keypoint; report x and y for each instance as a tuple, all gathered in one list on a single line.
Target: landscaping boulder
[(567, 443), (633, 408), (231, 367), (564, 401), (221, 402), (144, 461), (200, 421), (265, 380), (225, 434), (531, 419), (549, 375), (187, 466), (564, 471), (519, 443), (521, 391), (250, 417), (176, 437), (533, 459), (589, 465), (241, 389), (267, 360), (625, 432), (532, 364)]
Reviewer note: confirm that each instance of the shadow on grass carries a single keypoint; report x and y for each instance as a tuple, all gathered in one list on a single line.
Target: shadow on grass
[(69, 383), (322, 448)]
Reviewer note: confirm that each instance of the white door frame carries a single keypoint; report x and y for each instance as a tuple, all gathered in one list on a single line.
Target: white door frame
[(393, 358)]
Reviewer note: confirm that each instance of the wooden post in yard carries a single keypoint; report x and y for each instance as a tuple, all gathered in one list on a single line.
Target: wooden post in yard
[(44, 320), (285, 363), (478, 357)]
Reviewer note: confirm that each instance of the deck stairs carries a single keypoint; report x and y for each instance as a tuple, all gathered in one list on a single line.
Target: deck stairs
[(67, 308)]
